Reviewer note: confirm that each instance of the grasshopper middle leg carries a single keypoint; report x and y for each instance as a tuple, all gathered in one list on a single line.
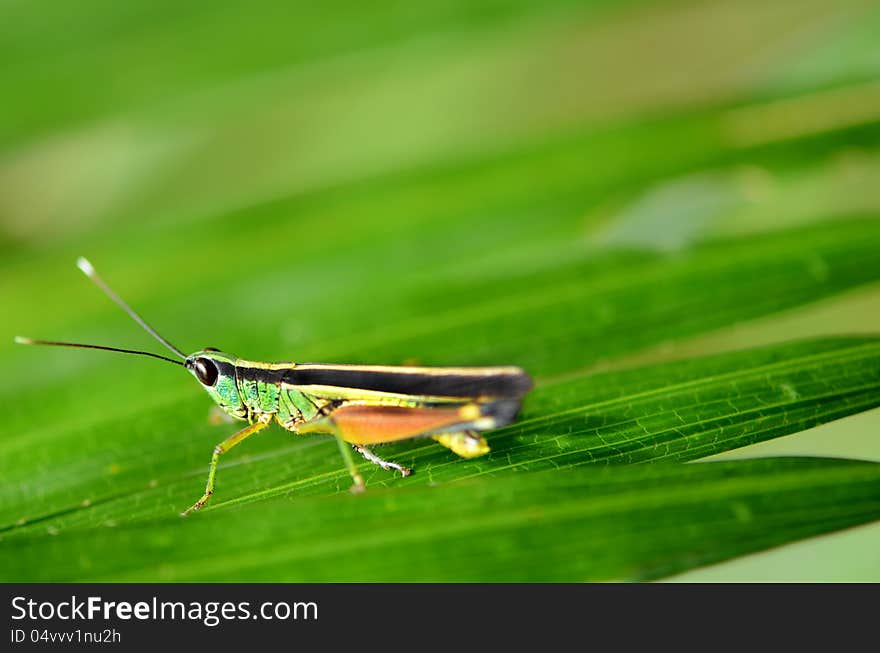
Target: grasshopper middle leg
[(327, 425)]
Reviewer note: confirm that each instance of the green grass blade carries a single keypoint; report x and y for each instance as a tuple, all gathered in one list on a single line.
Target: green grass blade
[(673, 412), (571, 525), (529, 183)]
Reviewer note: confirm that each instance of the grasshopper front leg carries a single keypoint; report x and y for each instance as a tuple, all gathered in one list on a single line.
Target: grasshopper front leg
[(220, 449)]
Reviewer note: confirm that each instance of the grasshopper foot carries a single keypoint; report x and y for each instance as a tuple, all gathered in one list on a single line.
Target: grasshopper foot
[(358, 486), (198, 504), (387, 465)]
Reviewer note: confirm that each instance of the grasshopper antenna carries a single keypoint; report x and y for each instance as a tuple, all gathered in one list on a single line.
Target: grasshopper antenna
[(21, 340), (83, 264)]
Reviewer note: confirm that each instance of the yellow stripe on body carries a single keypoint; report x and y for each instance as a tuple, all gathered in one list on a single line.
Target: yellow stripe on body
[(405, 369), (371, 396)]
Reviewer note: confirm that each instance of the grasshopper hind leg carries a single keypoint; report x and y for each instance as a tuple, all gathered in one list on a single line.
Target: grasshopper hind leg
[(384, 464), (455, 427)]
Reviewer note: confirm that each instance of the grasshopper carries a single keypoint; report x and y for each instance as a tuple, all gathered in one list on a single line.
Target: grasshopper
[(360, 405)]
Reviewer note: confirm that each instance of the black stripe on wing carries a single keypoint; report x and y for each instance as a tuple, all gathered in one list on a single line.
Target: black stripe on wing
[(491, 384)]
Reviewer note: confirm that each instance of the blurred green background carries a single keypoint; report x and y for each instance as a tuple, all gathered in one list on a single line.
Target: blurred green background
[(395, 182)]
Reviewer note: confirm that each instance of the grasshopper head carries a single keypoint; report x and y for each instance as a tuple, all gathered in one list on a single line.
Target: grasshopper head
[(215, 370)]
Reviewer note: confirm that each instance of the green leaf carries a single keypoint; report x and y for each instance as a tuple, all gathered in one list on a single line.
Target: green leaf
[(664, 413), (569, 525), (442, 186)]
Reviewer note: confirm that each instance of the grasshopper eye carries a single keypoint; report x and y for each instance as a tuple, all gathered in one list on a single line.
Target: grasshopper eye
[(206, 371)]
